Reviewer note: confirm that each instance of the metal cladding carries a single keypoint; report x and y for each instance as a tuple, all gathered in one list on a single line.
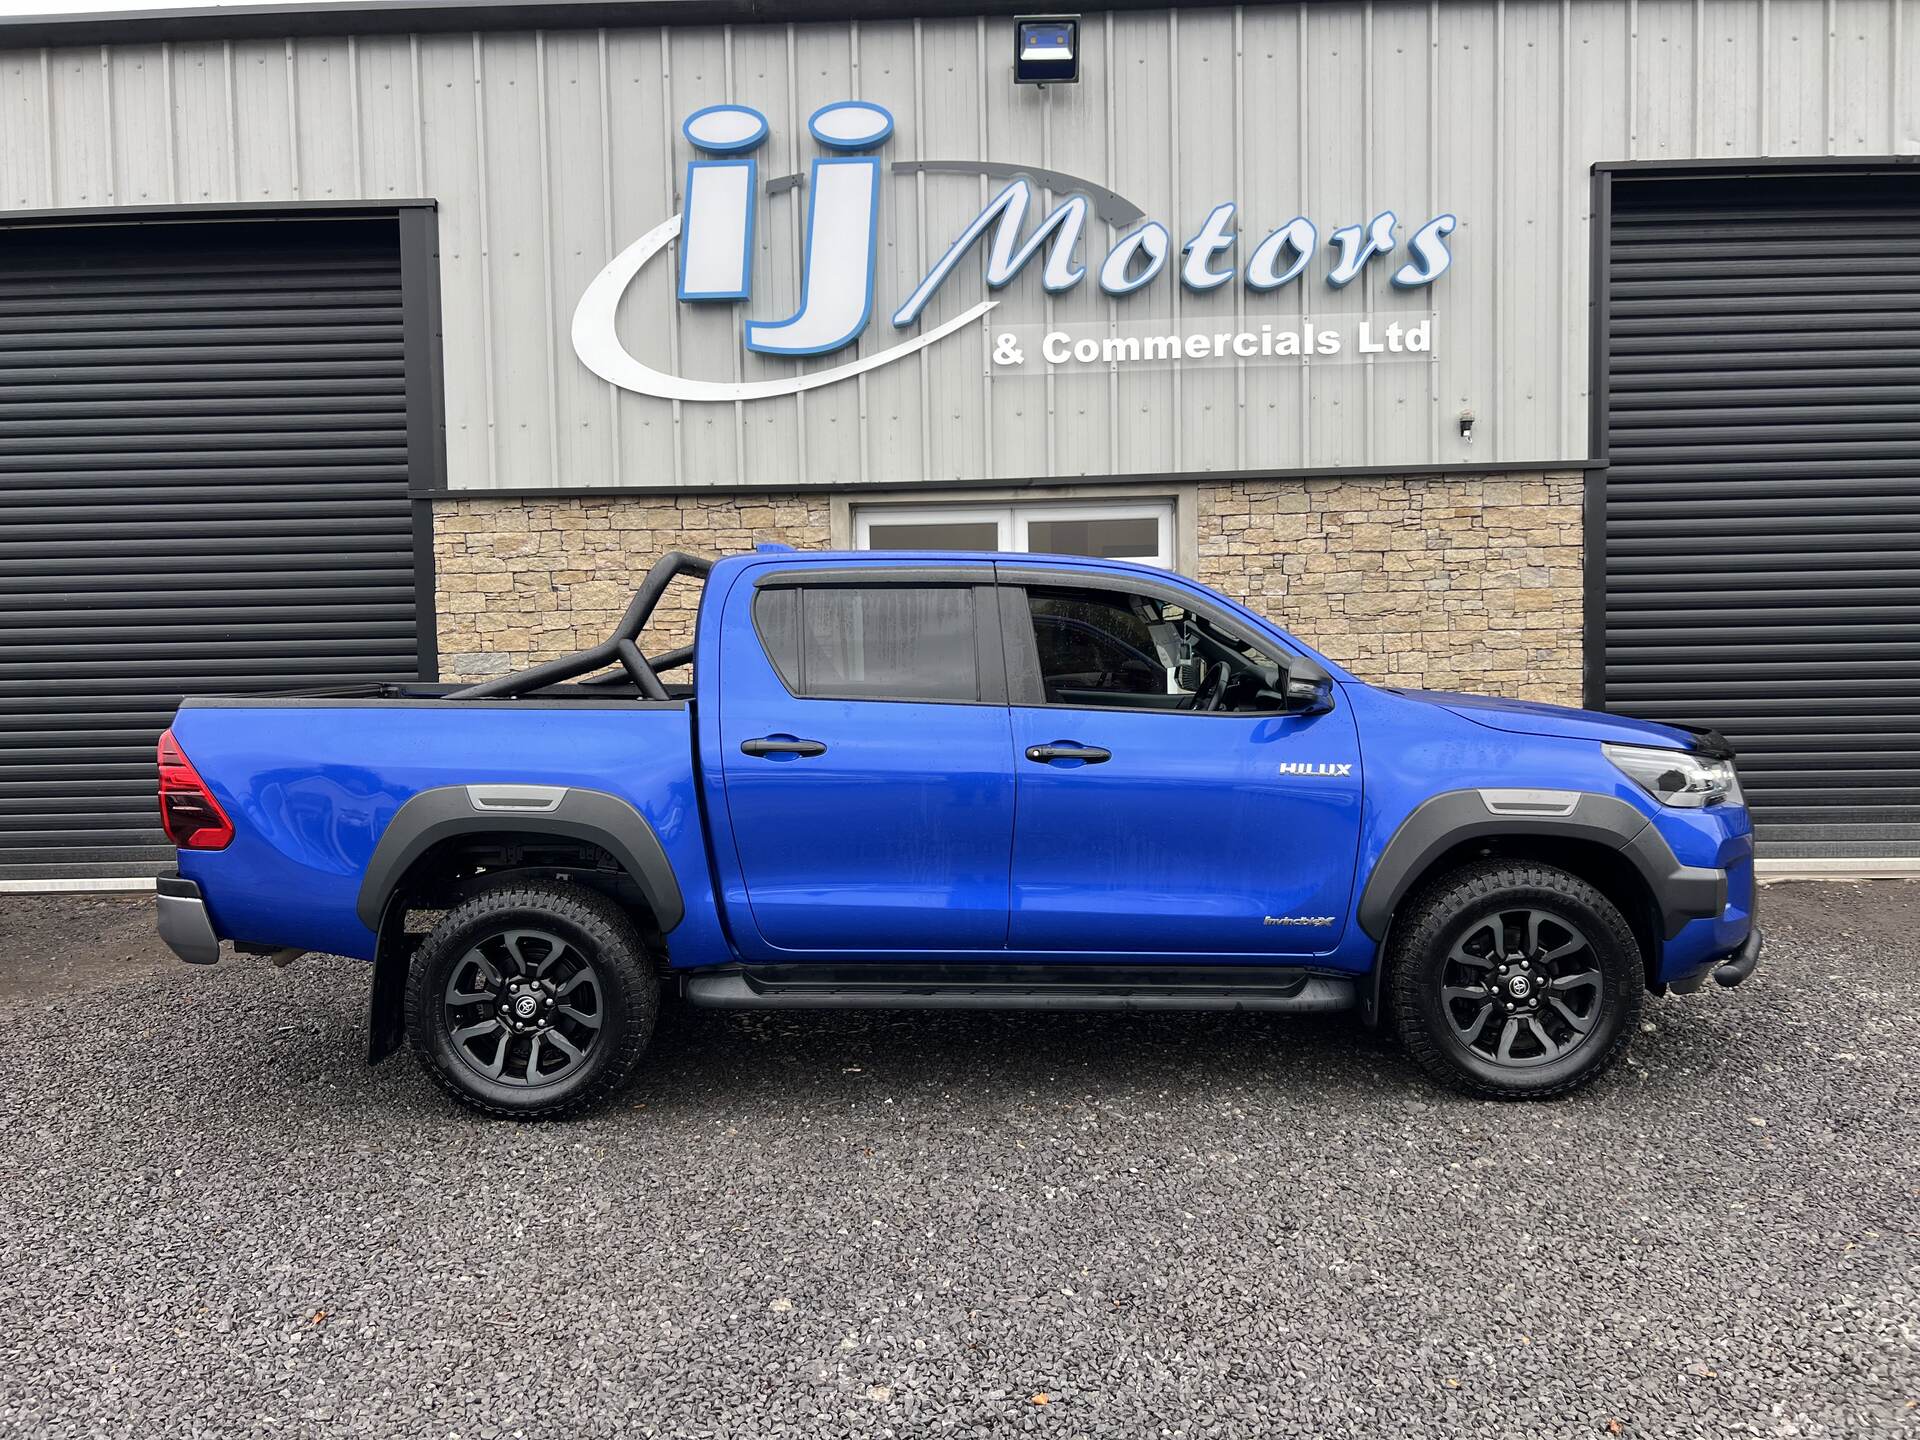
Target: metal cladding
[(552, 152)]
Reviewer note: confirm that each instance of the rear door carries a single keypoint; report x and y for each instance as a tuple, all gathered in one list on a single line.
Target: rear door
[(1148, 824), (868, 760)]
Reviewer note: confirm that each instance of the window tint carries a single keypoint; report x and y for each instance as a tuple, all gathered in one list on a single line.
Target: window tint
[(1091, 641), (884, 642), (776, 613), (1137, 652)]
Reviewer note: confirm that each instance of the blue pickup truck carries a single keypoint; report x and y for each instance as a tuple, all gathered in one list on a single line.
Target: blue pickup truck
[(957, 781)]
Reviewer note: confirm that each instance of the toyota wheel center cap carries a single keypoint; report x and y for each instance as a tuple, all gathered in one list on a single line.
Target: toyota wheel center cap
[(1519, 985)]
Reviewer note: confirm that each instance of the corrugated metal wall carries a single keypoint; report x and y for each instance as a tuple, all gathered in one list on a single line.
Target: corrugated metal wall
[(1762, 569), (551, 151)]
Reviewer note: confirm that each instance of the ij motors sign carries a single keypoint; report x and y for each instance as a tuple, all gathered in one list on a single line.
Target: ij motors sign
[(715, 229)]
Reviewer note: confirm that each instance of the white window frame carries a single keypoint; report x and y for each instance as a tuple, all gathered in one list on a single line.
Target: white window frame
[(1013, 522), (1000, 516)]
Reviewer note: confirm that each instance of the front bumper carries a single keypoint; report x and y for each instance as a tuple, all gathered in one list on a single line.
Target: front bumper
[(182, 920), (1735, 967), (1719, 843)]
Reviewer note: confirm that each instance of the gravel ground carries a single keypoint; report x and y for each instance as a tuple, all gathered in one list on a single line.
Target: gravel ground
[(219, 1223)]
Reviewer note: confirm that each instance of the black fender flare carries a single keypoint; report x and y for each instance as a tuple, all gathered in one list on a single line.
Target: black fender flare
[(592, 816), (1680, 892), (445, 812)]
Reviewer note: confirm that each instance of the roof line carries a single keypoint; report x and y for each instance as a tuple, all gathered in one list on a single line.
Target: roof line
[(278, 19)]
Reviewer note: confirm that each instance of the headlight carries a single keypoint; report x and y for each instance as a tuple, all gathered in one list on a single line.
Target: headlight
[(1675, 777)]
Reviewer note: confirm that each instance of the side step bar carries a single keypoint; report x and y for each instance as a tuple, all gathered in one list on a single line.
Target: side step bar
[(947, 987)]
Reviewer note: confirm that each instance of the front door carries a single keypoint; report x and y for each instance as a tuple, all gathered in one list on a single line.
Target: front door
[(868, 762), (1167, 803)]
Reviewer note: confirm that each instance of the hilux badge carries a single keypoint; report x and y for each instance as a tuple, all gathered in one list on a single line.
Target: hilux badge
[(1298, 767)]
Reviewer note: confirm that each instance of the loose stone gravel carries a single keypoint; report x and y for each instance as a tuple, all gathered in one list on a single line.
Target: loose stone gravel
[(218, 1222)]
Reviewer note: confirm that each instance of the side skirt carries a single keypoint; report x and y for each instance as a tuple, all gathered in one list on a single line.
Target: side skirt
[(1017, 987)]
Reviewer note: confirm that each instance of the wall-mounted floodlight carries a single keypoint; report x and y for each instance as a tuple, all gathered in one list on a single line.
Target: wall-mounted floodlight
[(1046, 49)]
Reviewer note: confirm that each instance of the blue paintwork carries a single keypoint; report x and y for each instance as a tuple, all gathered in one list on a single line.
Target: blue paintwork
[(305, 828), (1187, 839), (1529, 717), (895, 840), (924, 832)]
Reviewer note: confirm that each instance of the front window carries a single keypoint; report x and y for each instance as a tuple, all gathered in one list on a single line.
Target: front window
[(1110, 648), (1138, 531)]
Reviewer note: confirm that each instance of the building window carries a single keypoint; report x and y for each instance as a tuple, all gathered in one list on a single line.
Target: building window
[(1106, 530)]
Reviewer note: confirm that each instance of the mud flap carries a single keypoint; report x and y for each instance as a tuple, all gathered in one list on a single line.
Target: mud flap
[(386, 1003)]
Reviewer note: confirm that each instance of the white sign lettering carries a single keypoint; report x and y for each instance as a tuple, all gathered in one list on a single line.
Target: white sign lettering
[(715, 231)]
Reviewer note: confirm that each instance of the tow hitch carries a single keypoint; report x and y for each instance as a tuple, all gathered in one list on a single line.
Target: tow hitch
[(1739, 965)]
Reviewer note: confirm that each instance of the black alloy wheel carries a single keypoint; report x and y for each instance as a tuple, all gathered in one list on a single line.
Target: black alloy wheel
[(1514, 980), (523, 1007), (532, 999), (1521, 987)]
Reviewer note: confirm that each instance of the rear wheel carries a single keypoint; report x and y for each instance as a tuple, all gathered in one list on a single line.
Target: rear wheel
[(532, 999), (1514, 981)]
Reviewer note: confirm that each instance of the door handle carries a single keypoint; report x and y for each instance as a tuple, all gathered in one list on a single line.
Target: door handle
[(781, 745), (1061, 750)]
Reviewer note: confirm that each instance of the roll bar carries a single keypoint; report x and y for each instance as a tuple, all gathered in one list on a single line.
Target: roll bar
[(620, 646)]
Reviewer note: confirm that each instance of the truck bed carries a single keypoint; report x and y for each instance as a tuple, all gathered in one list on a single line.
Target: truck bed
[(312, 781), (614, 687)]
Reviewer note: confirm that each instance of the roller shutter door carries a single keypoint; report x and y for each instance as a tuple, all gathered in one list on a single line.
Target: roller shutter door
[(203, 480), (1760, 388)]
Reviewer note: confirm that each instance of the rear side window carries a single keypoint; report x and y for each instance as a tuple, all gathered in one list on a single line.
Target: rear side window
[(881, 642), (776, 615)]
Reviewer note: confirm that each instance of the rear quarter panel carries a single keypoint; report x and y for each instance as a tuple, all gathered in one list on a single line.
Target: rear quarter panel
[(311, 787)]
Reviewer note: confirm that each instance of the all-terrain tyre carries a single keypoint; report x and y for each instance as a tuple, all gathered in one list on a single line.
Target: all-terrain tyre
[(1514, 980), (533, 999)]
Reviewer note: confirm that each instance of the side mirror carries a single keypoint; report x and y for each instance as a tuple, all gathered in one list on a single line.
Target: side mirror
[(1308, 690)]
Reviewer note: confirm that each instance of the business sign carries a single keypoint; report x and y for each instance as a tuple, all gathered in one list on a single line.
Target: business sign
[(715, 228)]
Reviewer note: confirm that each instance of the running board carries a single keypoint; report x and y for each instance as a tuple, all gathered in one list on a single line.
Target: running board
[(948, 987)]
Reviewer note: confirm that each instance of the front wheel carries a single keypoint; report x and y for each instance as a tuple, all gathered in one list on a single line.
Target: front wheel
[(532, 999), (1514, 981)]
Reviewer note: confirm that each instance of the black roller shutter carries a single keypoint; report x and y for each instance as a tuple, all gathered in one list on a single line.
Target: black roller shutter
[(1760, 386), (203, 478)]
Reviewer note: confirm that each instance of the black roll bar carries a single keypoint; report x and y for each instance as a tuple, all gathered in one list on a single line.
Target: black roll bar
[(621, 646)]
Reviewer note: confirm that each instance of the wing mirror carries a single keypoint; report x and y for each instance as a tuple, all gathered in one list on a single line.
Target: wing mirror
[(1308, 689)]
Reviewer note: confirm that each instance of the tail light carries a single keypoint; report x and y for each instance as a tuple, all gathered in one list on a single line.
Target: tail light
[(189, 814)]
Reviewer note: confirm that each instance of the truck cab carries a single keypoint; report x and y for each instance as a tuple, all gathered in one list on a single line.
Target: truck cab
[(950, 780)]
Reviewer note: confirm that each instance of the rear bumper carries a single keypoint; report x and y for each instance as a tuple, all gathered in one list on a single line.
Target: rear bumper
[(182, 920)]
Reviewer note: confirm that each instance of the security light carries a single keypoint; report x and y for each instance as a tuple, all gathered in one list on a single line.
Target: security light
[(1046, 49)]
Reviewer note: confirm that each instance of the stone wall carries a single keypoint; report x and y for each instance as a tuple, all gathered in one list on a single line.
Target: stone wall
[(1463, 583), (1458, 584), (523, 580)]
